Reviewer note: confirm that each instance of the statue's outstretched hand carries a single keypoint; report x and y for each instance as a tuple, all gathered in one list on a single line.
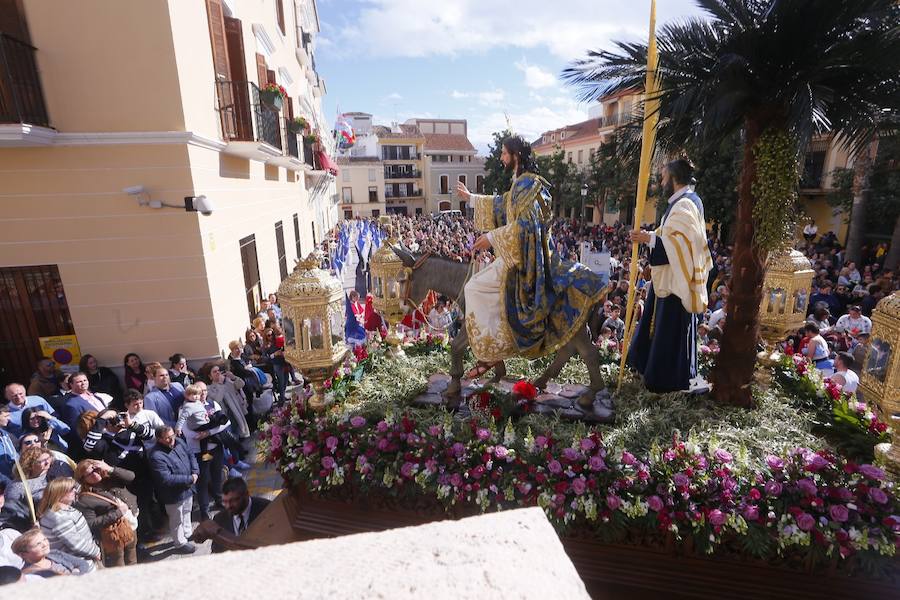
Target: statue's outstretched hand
[(462, 191), (482, 243)]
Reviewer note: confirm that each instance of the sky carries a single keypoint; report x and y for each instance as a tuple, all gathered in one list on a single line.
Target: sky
[(471, 59)]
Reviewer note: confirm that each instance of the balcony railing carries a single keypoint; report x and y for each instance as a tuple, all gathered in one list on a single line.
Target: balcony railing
[(610, 120), (244, 117), (310, 157), (387, 156), (293, 147), (402, 175), (21, 95)]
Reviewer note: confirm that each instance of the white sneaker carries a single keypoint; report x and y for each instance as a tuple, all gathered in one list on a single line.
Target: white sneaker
[(699, 385)]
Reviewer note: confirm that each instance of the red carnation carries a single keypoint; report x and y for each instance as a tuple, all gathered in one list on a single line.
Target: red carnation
[(525, 389)]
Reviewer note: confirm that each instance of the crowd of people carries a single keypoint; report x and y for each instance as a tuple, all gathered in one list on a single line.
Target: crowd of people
[(94, 467)]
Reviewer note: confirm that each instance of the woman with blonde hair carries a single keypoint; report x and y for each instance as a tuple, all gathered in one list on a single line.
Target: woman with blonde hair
[(105, 502), (39, 560), (63, 524)]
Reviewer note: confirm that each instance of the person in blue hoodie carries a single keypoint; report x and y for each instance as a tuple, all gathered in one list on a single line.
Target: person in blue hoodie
[(8, 453)]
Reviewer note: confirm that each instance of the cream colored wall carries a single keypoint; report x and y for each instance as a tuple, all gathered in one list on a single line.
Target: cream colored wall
[(249, 199), (359, 184), (134, 276), (107, 65)]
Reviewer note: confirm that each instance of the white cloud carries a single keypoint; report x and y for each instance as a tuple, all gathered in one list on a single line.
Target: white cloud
[(535, 77), (412, 28), (493, 97), (528, 120), (393, 97)]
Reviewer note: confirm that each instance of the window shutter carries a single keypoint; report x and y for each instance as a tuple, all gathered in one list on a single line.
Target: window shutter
[(216, 16), (279, 10), (261, 70), (270, 76), (234, 38)]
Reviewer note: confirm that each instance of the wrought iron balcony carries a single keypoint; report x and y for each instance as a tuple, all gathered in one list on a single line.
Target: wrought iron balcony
[(293, 147), (244, 118), (402, 174), (21, 95)]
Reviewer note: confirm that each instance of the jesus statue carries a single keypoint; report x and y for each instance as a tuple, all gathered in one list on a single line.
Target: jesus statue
[(528, 302)]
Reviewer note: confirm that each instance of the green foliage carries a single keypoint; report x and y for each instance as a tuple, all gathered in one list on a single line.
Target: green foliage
[(612, 175), (718, 171), (496, 179), (840, 196), (883, 208), (565, 182), (775, 189)]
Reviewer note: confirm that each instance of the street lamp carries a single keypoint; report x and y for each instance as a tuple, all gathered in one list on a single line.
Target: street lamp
[(584, 192)]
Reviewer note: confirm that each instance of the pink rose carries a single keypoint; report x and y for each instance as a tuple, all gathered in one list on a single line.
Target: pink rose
[(681, 480), (751, 513), (717, 517), (455, 480), (331, 443), (655, 503), (872, 472), (773, 488), (554, 467), (458, 449), (595, 463), (807, 486), (357, 421), (628, 458), (407, 469), (669, 455), (723, 456), (571, 454), (501, 452), (308, 448), (878, 495), (478, 472), (587, 444), (540, 441), (805, 521), (482, 434), (815, 462), (383, 444), (775, 463), (381, 427), (327, 462), (523, 487), (613, 502), (435, 430), (754, 494), (578, 486), (839, 513)]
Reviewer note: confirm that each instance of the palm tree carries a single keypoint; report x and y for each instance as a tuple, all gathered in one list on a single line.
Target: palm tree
[(794, 67)]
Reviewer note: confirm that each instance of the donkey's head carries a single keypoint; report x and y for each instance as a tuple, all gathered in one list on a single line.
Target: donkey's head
[(416, 288)]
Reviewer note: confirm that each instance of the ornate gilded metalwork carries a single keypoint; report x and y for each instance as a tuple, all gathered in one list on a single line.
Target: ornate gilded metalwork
[(312, 304), (388, 273), (880, 372), (786, 292)]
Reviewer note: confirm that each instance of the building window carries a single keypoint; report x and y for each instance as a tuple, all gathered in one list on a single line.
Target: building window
[(250, 266), (376, 212), (373, 193), (347, 194), (462, 179), (813, 170), (372, 174), (348, 214), (418, 211), (345, 175), (297, 234), (580, 156), (282, 254), (445, 184), (479, 184), (444, 206), (279, 14), (570, 157)]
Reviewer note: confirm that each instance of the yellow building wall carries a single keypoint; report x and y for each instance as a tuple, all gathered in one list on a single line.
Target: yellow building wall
[(134, 276), (107, 65), (359, 184)]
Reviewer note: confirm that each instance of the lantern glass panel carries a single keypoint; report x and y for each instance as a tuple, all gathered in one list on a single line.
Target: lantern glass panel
[(879, 358), (311, 336), (377, 287), (337, 326), (800, 300), (290, 339), (393, 289), (777, 300)]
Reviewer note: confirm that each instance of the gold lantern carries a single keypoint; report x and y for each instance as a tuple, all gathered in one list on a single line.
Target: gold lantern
[(312, 304), (786, 291), (879, 379), (387, 273)]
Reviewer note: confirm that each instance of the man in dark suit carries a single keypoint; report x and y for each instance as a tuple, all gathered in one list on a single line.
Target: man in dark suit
[(241, 509)]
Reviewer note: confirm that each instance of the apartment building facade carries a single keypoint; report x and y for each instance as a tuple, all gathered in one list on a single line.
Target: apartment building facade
[(400, 148), (449, 158), (115, 117)]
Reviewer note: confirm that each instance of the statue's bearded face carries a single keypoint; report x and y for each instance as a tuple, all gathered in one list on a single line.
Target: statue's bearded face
[(509, 160)]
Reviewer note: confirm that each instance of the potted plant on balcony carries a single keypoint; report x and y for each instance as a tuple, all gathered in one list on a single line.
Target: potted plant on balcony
[(312, 139), (273, 95), (298, 125)]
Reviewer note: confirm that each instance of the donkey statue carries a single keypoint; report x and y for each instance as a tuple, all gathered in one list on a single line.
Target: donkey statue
[(447, 277)]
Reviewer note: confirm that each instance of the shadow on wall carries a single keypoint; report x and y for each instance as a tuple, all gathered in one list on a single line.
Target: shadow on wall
[(233, 167)]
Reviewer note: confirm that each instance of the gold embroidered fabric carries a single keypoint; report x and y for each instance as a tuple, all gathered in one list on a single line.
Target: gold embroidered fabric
[(484, 211), (488, 347), (505, 241)]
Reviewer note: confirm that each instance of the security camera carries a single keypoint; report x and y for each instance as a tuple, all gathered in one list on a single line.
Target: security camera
[(134, 190), (200, 204)]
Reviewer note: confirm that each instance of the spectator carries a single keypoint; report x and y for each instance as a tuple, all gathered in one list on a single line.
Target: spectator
[(854, 322), (63, 524), (150, 370), (816, 348), (824, 295), (615, 324), (134, 406), (135, 377), (844, 374), (358, 308), (62, 466), (8, 452), (48, 428), (717, 318), (8, 558), (273, 305), (35, 463), (275, 354), (45, 381), (212, 463), (254, 378), (101, 379), (18, 402), (174, 471), (110, 518), (179, 372), (240, 508), (858, 352), (79, 400), (58, 400), (263, 309), (39, 560), (225, 389), (821, 318), (166, 398)]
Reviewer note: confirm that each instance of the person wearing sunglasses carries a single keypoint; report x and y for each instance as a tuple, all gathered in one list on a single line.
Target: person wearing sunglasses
[(62, 466), (8, 452)]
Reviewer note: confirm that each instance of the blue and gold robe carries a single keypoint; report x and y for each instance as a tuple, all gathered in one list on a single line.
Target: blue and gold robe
[(528, 302)]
